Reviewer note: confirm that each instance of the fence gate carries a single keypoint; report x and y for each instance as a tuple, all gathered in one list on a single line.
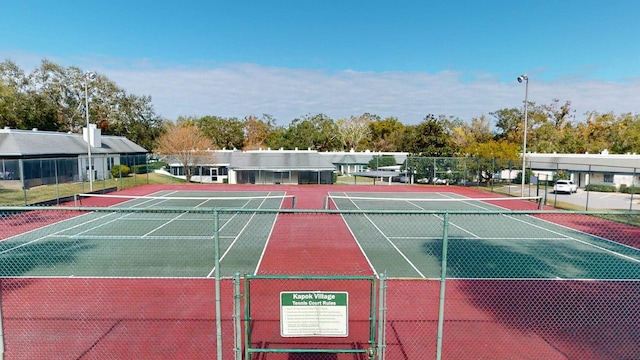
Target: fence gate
[(308, 317)]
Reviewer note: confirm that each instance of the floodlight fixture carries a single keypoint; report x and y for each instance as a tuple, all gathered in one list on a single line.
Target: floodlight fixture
[(89, 75), (524, 78)]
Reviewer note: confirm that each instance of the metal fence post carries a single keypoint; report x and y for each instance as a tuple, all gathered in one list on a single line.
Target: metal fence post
[(1, 324), (633, 189), (216, 239), (382, 317), (586, 206), (443, 279), (237, 311)]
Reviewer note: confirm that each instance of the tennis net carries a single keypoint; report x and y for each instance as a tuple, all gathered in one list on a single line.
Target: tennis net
[(346, 202), (201, 202)]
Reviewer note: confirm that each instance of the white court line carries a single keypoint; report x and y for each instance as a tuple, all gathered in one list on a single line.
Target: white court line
[(492, 207), (55, 233), (171, 220), (385, 236), (563, 236), (232, 244), (484, 238), (615, 253), (120, 218)]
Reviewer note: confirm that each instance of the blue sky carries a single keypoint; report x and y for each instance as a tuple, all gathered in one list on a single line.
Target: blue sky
[(341, 58)]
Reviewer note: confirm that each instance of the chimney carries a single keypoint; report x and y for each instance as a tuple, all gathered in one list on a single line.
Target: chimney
[(94, 135)]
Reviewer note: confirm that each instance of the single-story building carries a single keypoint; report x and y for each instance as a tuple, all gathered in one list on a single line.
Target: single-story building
[(32, 157), (278, 166), (584, 169)]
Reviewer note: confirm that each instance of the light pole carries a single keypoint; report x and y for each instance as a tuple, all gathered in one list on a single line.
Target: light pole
[(524, 78), (88, 76)]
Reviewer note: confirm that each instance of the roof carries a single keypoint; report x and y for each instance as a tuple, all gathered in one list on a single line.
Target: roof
[(361, 157), (618, 163), (280, 160), (285, 160), (35, 143)]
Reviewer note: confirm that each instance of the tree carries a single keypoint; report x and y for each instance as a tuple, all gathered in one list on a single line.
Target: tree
[(379, 161), (224, 133), (33, 111), (509, 123), (386, 134), (8, 105), (464, 135), (278, 138), (53, 97), (257, 131), (187, 145), (64, 87), (491, 157), (134, 118), (317, 132), (625, 135), (354, 131), (428, 138)]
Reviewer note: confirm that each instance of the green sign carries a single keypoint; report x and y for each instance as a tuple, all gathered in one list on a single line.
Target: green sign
[(314, 313)]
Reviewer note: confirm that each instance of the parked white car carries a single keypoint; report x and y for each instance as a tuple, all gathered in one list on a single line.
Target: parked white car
[(565, 186)]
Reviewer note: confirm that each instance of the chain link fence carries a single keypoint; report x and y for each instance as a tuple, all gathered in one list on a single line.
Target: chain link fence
[(53, 181), (198, 283), (602, 185)]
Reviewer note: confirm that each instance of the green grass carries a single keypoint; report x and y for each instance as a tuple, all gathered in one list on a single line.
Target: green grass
[(19, 197), (350, 180)]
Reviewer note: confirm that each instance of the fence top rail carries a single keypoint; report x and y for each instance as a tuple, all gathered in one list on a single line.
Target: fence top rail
[(14, 209), (311, 277)]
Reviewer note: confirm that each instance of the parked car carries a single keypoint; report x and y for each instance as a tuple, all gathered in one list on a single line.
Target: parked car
[(437, 181), (565, 186)]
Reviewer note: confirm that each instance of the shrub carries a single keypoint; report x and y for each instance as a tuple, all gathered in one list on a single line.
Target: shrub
[(157, 165), (118, 171), (601, 188), (140, 169), (624, 188)]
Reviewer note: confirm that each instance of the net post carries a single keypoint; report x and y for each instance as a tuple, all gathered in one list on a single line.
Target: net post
[(293, 202), (540, 203)]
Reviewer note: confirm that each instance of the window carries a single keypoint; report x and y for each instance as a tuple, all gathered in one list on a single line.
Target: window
[(608, 178)]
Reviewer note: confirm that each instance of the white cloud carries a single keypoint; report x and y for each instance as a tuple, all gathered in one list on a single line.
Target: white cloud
[(245, 89), (239, 90)]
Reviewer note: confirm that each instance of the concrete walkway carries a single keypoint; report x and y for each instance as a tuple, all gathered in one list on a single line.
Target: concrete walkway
[(587, 200)]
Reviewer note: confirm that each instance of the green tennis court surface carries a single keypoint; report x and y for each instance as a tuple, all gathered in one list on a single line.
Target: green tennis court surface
[(172, 234), (481, 242), (169, 234), (126, 277)]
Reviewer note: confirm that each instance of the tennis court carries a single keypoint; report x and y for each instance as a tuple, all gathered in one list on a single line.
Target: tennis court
[(132, 276), (139, 236), (510, 245)]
